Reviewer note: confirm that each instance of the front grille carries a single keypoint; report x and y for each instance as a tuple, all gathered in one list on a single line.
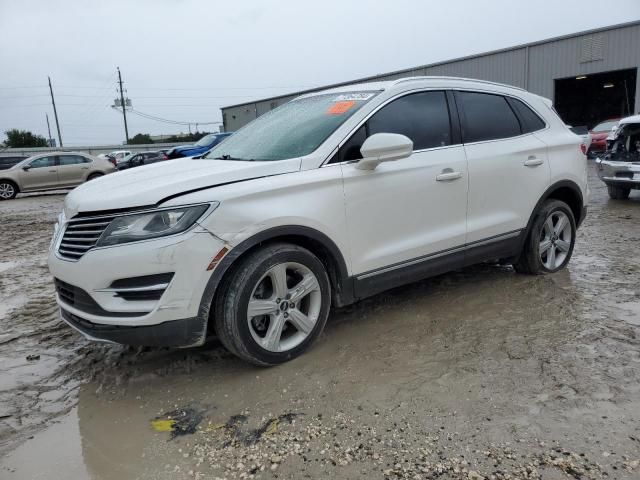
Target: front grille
[(81, 235), (78, 298)]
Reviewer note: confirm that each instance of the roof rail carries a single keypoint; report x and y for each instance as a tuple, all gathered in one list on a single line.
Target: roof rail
[(436, 77)]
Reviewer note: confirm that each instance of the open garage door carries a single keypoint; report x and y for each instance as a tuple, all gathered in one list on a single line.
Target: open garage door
[(590, 99)]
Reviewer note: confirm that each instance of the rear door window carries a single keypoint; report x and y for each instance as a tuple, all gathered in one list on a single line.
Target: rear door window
[(486, 116), (71, 160)]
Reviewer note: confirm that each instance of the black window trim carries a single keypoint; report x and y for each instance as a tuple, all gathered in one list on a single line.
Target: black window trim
[(364, 121), (506, 97)]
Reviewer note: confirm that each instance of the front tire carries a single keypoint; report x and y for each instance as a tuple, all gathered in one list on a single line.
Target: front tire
[(8, 190), (549, 246), (274, 304), (618, 193)]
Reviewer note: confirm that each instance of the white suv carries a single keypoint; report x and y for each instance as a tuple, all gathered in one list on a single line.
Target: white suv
[(330, 198)]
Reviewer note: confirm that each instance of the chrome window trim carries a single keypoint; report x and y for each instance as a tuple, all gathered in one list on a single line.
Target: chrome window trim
[(437, 89), (472, 90), (373, 112)]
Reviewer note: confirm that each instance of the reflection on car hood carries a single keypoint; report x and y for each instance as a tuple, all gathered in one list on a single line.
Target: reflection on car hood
[(150, 184)]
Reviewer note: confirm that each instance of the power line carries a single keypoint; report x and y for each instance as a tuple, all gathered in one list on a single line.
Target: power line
[(165, 120), (99, 103), (26, 96), (24, 106), (32, 86), (178, 105), (221, 88)]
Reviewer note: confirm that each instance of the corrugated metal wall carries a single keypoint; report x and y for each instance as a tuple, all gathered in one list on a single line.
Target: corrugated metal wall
[(534, 67)]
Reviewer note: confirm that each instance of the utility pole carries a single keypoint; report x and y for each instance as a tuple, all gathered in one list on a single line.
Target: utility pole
[(55, 113), (49, 130), (124, 106)]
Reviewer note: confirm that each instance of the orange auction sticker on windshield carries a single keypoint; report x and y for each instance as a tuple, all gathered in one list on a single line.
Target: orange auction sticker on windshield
[(339, 108)]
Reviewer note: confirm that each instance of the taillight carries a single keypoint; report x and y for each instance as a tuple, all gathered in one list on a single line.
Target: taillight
[(113, 160), (583, 148)]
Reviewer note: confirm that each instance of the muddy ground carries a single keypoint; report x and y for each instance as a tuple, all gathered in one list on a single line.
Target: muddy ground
[(481, 373)]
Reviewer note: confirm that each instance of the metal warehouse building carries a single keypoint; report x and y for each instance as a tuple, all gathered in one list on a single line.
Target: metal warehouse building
[(591, 76)]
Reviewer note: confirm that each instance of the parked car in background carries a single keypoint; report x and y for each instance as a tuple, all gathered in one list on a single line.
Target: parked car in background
[(50, 171), (117, 155), (330, 198), (201, 147), (619, 167), (109, 157), (8, 162), (599, 135), (583, 133), (140, 158)]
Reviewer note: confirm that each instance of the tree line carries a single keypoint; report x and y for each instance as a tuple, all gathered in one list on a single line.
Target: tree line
[(25, 139)]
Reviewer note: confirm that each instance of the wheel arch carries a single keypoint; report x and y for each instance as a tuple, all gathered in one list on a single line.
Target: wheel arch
[(13, 182), (316, 242), (565, 190)]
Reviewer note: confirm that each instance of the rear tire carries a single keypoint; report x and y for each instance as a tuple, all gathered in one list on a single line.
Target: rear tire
[(274, 304), (8, 190), (618, 193), (549, 245), (93, 176)]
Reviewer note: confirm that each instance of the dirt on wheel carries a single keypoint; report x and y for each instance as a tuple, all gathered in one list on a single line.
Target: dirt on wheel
[(479, 373)]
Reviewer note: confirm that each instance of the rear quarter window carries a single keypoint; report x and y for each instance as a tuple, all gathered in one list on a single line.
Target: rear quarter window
[(530, 120)]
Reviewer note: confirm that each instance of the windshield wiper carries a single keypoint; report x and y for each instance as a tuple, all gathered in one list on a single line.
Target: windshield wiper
[(229, 157)]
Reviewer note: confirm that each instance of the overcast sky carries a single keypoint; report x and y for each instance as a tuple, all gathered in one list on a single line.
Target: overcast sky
[(184, 59)]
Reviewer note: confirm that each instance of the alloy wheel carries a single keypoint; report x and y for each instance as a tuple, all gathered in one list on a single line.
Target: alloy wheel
[(6, 190), (284, 307), (555, 240)]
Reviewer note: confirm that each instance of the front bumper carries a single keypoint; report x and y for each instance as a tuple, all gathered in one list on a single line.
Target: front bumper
[(174, 333), (624, 174), (101, 312)]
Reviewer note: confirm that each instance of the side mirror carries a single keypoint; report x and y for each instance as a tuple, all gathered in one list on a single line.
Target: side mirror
[(26, 168), (384, 147)]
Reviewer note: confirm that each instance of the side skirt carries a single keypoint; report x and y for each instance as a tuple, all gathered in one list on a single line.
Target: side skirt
[(494, 248)]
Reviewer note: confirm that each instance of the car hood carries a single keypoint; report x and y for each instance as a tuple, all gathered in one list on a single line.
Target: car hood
[(151, 184)]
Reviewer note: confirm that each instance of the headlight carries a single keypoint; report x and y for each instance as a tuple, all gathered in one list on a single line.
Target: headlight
[(147, 225)]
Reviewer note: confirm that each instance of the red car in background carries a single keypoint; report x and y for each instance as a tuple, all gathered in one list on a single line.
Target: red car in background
[(599, 135)]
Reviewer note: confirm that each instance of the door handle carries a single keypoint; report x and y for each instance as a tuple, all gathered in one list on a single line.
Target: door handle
[(52, 171), (448, 175), (533, 161)]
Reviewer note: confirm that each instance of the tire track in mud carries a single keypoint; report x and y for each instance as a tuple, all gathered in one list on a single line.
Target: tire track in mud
[(32, 391)]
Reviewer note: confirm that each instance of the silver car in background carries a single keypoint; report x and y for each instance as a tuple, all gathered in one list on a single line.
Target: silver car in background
[(51, 171), (619, 166)]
